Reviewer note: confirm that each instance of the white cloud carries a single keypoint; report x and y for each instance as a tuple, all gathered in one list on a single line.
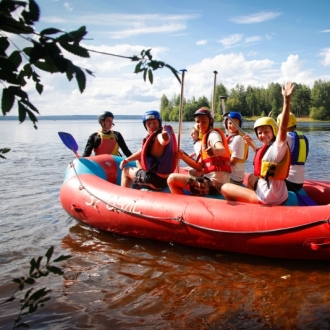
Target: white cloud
[(201, 42), (231, 40), (292, 70), (252, 53), (326, 57), (68, 6), (253, 39), (325, 31), (255, 18)]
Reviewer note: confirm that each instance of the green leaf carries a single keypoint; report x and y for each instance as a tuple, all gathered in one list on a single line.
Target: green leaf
[(48, 66), (49, 253), (9, 24), (7, 101), (39, 88), (138, 67), (61, 63), (37, 52), (29, 280), (75, 49), (17, 280), (6, 150), (55, 270), (21, 112), (33, 265), (62, 257), (145, 74), (4, 44), (7, 65), (18, 92), (9, 76), (81, 78), (150, 76), (33, 14), (90, 72), (50, 31), (32, 116), (76, 35)]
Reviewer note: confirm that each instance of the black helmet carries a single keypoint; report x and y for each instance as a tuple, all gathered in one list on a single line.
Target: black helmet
[(206, 112), (104, 115)]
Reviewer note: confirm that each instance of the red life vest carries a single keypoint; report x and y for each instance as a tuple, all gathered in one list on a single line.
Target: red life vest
[(265, 169), (215, 163)]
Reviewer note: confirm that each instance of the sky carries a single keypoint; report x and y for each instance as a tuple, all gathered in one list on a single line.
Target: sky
[(254, 42)]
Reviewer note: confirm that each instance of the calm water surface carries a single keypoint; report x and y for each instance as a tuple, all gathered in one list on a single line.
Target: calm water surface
[(128, 283)]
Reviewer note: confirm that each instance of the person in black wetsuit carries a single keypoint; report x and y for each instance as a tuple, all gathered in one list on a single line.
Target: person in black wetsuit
[(106, 141)]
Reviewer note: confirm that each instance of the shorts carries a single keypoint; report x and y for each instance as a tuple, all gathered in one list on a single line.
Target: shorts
[(238, 183), (293, 186), (147, 179), (202, 186)]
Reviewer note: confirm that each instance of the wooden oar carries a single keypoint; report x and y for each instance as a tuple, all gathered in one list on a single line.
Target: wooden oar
[(180, 113), (214, 88), (69, 141), (223, 98)]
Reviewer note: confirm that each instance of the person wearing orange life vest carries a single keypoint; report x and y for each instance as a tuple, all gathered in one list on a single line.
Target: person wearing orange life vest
[(106, 141), (299, 147), (272, 161), (237, 146), (157, 156), (213, 163)]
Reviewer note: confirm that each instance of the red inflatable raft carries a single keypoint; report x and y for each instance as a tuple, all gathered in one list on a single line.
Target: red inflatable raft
[(91, 193)]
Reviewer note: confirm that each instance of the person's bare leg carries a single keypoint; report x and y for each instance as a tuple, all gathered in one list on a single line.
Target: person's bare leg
[(177, 182), (127, 176), (232, 192)]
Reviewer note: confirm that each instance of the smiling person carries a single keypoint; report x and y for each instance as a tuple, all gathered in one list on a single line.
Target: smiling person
[(157, 156), (239, 150), (212, 168), (106, 141), (271, 163)]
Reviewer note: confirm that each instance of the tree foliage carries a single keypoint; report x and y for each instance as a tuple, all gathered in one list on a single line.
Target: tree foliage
[(259, 101), (45, 53)]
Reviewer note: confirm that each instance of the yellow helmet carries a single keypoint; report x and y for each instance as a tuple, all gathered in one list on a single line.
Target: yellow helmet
[(292, 120), (263, 121)]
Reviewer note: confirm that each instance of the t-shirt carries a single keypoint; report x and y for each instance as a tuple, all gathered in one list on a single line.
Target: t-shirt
[(297, 172), (237, 146), (217, 176), (277, 193), (197, 147)]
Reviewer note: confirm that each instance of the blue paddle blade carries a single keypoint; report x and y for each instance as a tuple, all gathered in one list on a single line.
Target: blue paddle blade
[(69, 141), (304, 200)]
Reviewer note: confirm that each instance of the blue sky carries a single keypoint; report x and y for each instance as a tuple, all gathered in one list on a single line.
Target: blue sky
[(249, 42)]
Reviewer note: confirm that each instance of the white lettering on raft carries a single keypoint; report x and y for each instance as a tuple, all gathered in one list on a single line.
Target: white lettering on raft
[(116, 203), (93, 202)]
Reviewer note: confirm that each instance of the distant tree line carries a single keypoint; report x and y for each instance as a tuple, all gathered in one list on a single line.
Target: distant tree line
[(254, 101)]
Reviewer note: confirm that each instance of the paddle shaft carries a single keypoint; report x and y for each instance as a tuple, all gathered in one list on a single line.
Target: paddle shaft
[(214, 88), (180, 113)]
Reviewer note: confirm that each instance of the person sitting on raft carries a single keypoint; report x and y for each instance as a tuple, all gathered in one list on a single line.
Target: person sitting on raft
[(299, 147), (271, 162), (106, 141), (196, 141), (239, 149), (157, 156), (213, 163)]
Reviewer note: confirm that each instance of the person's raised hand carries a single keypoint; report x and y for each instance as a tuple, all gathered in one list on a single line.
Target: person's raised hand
[(165, 134), (287, 89)]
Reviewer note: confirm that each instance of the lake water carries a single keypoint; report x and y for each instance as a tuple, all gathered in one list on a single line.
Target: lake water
[(129, 283)]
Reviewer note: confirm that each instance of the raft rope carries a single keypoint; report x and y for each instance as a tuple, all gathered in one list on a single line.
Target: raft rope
[(181, 220)]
